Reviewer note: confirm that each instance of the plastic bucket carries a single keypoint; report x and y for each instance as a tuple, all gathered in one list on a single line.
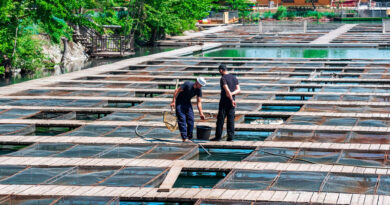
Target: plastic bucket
[(203, 132)]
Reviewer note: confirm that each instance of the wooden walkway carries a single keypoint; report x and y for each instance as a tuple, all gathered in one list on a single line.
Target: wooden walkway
[(193, 165), (222, 144), (167, 100), (159, 111), (327, 38), (170, 82), (192, 194), (252, 127), (207, 91)]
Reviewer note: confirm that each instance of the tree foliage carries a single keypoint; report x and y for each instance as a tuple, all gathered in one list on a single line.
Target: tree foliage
[(149, 20), (155, 18)]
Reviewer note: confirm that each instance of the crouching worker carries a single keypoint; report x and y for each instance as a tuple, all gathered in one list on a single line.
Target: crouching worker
[(182, 102)]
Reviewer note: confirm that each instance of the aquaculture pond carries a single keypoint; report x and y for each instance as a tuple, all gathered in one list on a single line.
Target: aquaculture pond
[(298, 52)]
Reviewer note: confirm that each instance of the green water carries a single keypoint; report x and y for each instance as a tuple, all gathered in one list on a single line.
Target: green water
[(207, 180), (224, 154), (280, 108), (251, 135), (6, 149), (296, 52), (51, 131), (153, 203)]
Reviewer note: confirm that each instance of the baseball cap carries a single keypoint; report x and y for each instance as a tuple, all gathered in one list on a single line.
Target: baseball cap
[(201, 81)]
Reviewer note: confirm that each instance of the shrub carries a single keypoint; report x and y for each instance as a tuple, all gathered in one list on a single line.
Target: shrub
[(329, 14), (291, 14), (315, 14), (267, 15), (280, 13), (2, 70)]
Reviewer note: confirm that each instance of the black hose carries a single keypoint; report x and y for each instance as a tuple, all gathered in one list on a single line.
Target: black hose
[(162, 140)]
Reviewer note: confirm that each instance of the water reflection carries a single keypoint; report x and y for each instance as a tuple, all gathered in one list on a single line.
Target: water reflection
[(294, 52)]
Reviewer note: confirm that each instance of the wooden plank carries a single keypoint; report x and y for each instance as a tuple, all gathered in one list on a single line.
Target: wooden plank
[(177, 193), (211, 83), (305, 197), (57, 190), (66, 190), (279, 196), (215, 193), (191, 193), (292, 196), (189, 164), (265, 196), (93, 192), (170, 179), (318, 198), (240, 194), (253, 195), (202, 194), (331, 198), (355, 199), (206, 91), (129, 192), (344, 199), (228, 194)]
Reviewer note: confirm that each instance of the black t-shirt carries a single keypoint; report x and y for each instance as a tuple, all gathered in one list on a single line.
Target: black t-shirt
[(184, 97), (232, 83)]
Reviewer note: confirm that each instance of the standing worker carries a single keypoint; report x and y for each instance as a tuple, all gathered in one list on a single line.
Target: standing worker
[(182, 101), (227, 104)]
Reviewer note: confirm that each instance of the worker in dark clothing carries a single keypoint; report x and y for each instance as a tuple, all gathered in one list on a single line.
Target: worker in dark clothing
[(227, 104), (182, 101)]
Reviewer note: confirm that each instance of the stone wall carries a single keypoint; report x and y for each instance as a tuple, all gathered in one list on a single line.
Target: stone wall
[(75, 57)]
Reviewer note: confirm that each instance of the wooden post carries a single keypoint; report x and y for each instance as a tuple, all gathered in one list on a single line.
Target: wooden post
[(260, 26), (226, 17), (93, 45), (121, 39)]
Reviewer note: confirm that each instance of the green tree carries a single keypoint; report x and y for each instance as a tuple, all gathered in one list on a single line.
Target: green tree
[(155, 18), (280, 13)]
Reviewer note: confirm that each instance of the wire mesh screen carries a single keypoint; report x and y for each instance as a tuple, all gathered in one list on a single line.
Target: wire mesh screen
[(136, 176), (16, 129), (31, 200), (143, 151), (278, 27), (17, 113), (306, 181), (385, 25)]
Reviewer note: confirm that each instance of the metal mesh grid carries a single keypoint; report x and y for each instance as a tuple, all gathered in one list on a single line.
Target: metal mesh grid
[(31, 200), (143, 151), (320, 156), (126, 176), (305, 181)]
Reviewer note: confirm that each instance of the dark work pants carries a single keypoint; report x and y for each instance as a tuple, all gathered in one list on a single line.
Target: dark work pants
[(229, 112), (185, 119)]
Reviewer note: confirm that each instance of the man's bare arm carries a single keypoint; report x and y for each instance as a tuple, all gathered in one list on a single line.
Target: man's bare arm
[(228, 93), (237, 90), (199, 104), (177, 91)]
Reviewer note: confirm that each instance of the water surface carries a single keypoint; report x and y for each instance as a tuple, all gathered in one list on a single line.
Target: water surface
[(296, 52)]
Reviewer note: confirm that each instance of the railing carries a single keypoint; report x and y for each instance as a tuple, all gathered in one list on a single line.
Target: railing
[(219, 16), (112, 44), (382, 4)]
